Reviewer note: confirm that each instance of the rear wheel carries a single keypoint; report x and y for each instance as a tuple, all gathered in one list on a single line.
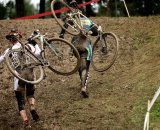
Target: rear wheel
[(64, 17), (105, 51), (62, 56), (24, 66)]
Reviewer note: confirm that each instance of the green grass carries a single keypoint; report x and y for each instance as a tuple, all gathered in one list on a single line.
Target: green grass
[(155, 114)]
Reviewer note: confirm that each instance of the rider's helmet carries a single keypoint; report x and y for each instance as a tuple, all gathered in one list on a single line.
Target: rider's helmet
[(16, 33), (13, 35), (73, 4)]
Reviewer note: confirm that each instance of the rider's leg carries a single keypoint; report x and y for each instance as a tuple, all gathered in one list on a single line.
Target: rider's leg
[(84, 75), (20, 97), (84, 68), (31, 100), (30, 89), (30, 95), (21, 104)]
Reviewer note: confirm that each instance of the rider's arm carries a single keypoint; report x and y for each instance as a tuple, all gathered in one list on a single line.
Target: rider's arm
[(99, 28), (2, 57), (38, 50), (32, 41), (95, 28), (34, 49), (94, 25)]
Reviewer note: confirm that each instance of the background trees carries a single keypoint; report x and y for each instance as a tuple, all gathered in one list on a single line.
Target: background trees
[(2, 9), (19, 8), (42, 6), (16, 8)]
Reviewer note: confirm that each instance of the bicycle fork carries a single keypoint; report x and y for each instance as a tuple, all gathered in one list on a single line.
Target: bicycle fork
[(56, 51), (103, 43)]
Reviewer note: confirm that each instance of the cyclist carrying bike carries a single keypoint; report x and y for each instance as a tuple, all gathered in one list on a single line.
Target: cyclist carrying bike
[(19, 86), (87, 24), (83, 45)]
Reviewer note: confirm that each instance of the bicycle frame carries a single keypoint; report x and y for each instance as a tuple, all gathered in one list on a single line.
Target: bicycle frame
[(44, 43), (24, 49), (100, 36), (77, 21), (78, 14)]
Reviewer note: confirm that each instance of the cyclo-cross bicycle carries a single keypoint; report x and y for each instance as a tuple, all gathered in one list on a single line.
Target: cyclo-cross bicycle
[(101, 61), (55, 54)]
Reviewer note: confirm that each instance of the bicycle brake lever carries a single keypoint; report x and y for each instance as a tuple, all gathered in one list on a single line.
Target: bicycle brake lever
[(36, 32)]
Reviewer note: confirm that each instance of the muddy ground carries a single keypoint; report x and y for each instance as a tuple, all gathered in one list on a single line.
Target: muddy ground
[(118, 97)]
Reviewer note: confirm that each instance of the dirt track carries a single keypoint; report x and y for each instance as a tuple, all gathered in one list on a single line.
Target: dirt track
[(118, 97)]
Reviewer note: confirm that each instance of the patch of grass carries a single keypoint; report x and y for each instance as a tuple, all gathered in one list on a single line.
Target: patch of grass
[(138, 112), (155, 114)]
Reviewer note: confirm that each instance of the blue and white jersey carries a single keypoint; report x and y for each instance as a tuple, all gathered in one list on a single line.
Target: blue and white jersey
[(86, 23)]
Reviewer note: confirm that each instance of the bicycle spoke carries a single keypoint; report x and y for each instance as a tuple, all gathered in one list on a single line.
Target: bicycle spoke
[(105, 52), (66, 17), (60, 57), (23, 65)]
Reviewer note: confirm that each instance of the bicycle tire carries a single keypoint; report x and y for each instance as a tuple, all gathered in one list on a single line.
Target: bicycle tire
[(60, 23), (18, 75), (104, 62), (63, 65)]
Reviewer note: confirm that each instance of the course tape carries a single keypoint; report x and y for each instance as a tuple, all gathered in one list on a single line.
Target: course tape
[(56, 11)]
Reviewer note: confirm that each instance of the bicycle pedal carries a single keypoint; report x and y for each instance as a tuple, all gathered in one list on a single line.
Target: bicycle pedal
[(45, 62)]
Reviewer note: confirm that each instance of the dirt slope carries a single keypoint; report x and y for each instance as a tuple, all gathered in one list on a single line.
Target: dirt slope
[(118, 97)]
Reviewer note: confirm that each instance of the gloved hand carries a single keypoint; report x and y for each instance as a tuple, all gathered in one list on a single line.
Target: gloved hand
[(99, 28), (89, 32), (32, 41)]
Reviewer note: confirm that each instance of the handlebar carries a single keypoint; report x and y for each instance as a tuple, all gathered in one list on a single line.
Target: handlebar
[(89, 32), (37, 34)]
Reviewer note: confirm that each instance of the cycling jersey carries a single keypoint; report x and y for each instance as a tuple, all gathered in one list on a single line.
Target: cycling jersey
[(35, 49), (86, 23)]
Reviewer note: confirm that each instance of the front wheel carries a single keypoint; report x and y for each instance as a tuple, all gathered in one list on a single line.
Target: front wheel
[(105, 51), (62, 56), (24, 66), (61, 11)]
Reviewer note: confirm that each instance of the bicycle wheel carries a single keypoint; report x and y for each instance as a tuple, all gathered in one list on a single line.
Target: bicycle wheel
[(105, 52), (24, 66), (62, 56), (67, 22)]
